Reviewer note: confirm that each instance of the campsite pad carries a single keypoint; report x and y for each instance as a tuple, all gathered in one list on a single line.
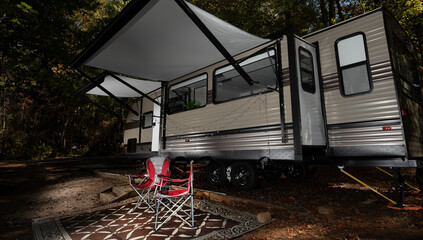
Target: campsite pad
[(116, 222)]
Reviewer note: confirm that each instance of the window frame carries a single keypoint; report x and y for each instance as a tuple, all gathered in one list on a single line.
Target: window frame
[(143, 120), (306, 70), (242, 60), (207, 89), (365, 62)]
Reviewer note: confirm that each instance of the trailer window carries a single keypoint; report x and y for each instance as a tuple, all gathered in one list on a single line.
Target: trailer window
[(187, 95), (353, 64), (147, 120), (407, 70), (229, 85), (307, 70)]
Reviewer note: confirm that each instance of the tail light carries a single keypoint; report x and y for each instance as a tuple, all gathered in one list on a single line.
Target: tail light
[(386, 128), (404, 112)]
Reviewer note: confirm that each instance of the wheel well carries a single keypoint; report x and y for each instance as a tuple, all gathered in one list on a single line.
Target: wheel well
[(180, 160), (206, 159)]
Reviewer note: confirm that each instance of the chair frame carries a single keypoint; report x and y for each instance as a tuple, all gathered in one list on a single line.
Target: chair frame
[(176, 197), (150, 181)]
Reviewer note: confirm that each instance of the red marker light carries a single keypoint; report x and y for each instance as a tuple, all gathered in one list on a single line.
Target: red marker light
[(187, 140), (404, 112), (386, 128)]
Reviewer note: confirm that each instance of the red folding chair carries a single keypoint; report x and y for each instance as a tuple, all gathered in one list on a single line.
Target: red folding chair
[(150, 180), (173, 197)]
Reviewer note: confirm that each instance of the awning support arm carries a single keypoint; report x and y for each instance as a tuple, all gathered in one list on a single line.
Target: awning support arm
[(83, 90), (133, 88), (197, 21), (96, 82), (99, 106)]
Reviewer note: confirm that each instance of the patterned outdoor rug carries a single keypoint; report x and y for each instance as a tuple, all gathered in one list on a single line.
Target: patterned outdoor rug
[(116, 222)]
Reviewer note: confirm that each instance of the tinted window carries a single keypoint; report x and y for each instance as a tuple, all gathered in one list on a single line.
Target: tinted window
[(353, 64), (187, 95), (147, 120), (307, 71), (229, 85)]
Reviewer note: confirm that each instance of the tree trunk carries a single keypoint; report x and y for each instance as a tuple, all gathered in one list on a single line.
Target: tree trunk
[(324, 12), (339, 7), (331, 11)]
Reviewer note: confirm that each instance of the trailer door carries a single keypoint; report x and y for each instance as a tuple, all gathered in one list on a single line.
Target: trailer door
[(313, 132), (155, 139)]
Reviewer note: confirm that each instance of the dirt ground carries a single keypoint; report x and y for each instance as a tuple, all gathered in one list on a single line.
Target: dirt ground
[(328, 205)]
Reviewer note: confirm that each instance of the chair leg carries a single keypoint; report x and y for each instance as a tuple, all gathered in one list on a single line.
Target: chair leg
[(157, 214), (192, 211), (143, 198), (173, 210), (136, 205)]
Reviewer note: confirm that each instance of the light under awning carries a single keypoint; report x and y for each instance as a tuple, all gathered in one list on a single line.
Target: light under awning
[(161, 42), (119, 89)]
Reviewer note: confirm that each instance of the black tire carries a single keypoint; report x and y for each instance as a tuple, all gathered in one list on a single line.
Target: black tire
[(243, 175), (296, 172), (216, 173)]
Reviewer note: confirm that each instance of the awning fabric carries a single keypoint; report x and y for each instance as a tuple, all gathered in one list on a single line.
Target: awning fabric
[(160, 42), (118, 89)]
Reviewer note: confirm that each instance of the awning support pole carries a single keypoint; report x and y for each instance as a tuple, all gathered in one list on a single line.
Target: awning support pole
[(197, 21), (95, 81), (133, 88)]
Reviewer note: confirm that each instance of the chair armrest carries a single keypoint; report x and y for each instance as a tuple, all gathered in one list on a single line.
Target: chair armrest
[(131, 177), (178, 180), (166, 177), (136, 176)]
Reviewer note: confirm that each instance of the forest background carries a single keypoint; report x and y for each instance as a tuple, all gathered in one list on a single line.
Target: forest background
[(40, 117)]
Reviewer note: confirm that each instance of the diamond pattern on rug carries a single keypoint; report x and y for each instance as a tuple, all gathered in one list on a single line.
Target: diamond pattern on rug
[(117, 222)]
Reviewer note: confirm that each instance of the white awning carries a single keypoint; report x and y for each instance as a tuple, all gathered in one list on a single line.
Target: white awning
[(119, 89), (161, 42)]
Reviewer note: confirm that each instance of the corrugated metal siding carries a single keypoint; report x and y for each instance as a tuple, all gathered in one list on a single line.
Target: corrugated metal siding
[(130, 133), (231, 142), (359, 136), (373, 27), (259, 110), (415, 134), (146, 134), (380, 104)]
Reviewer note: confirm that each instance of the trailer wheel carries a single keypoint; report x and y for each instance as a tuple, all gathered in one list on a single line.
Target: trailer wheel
[(216, 173), (243, 175), (296, 173)]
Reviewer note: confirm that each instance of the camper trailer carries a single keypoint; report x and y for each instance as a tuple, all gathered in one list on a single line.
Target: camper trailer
[(349, 94)]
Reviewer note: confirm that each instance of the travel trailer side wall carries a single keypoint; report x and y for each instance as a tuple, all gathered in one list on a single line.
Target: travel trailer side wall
[(362, 120), (349, 94)]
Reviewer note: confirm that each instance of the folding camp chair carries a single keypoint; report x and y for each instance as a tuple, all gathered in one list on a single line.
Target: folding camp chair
[(150, 180), (173, 197)]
